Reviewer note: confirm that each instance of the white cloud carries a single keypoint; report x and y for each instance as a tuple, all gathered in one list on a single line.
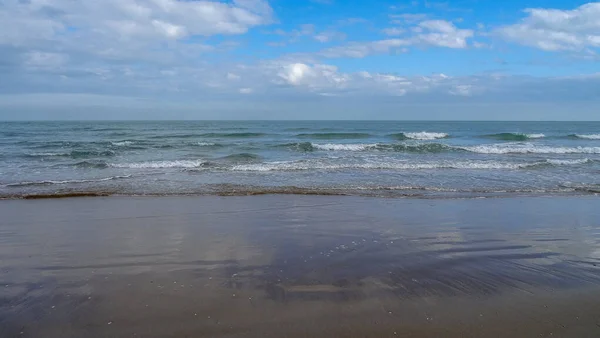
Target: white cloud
[(294, 73), (123, 20), (436, 33), (328, 80), (442, 33), (280, 81), (154, 48), (314, 77), (168, 30), (66, 40), (393, 31), (557, 30)]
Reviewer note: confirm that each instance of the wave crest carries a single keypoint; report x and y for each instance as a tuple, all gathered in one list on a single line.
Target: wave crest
[(122, 143), (528, 149), (381, 165), (569, 162), (344, 147), (423, 136), (586, 136), (514, 136), (407, 148), (161, 164)]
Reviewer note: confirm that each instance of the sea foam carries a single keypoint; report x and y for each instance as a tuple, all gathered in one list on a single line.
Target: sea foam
[(344, 147), (160, 164), (391, 165), (528, 148), (426, 135), (588, 136)]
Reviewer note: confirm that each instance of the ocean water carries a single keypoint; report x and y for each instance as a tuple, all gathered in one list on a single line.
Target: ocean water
[(372, 158)]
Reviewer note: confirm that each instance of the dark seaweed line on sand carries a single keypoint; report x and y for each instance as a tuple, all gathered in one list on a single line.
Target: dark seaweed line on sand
[(408, 192)]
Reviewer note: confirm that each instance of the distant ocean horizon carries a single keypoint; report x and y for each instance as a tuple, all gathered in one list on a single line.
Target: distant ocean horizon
[(286, 120), (385, 158)]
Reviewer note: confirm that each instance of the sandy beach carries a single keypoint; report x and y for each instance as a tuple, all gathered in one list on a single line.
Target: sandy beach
[(287, 169), (300, 266)]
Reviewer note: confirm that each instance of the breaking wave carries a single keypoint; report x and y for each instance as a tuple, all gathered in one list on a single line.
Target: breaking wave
[(398, 165), (409, 148), (425, 136), (586, 136), (207, 144), (250, 162), (505, 148), (514, 136), (160, 164), (569, 162), (344, 147), (122, 143), (527, 148)]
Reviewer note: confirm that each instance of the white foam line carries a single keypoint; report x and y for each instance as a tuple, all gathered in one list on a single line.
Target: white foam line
[(589, 136), (344, 147), (568, 162), (425, 135), (312, 165), (160, 164), (122, 143), (529, 149)]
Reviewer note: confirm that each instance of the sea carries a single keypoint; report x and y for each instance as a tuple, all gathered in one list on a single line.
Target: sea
[(396, 159)]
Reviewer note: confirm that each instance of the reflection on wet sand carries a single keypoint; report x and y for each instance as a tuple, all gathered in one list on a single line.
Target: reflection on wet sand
[(300, 266)]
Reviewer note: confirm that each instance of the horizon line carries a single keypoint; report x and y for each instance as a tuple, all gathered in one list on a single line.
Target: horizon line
[(286, 120)]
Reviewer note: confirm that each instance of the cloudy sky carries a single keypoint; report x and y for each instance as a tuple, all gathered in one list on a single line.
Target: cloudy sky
[(304, 59)]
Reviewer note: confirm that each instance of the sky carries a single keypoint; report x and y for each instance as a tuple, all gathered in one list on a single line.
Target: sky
[(304, 59)]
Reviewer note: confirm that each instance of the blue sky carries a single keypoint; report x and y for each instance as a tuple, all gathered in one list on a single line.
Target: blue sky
[(305, 59)]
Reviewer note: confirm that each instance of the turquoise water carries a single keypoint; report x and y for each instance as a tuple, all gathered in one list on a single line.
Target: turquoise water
[(379, 158)]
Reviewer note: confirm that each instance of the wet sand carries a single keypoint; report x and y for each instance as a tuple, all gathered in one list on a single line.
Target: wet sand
[(300, 266)]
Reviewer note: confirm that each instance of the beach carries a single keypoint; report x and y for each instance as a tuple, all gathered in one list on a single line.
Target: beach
[(287, 169), (300, 266)]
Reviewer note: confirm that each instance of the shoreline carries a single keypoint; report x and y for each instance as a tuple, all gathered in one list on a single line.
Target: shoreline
[(291, 265), (392, 193)]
